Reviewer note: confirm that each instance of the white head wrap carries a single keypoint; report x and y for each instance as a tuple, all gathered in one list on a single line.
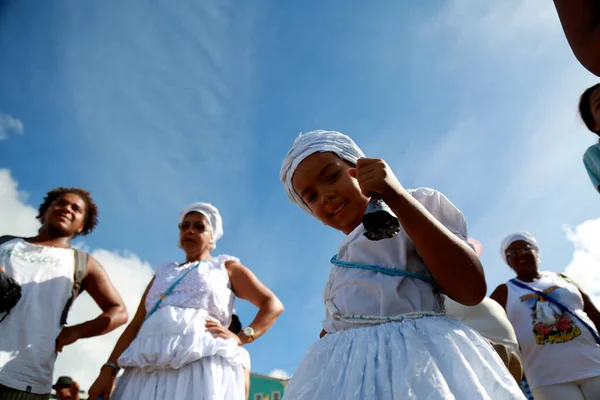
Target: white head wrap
[(515, 237), (315, 142), (212, 215)]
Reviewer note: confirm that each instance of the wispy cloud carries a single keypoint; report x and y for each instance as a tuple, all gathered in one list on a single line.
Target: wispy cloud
[(510, 157), (506, 30), (9, 125), (158, 102), (169, 90)]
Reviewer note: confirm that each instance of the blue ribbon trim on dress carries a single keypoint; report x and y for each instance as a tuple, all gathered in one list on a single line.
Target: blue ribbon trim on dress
[(383, 270)]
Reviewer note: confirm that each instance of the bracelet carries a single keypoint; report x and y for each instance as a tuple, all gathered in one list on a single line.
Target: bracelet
[(112, 365)]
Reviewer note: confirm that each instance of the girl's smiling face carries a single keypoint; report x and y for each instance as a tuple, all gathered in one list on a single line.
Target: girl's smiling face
[(323, 182)]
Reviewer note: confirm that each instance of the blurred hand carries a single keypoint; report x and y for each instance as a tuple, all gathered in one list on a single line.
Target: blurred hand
[(67, 336), (103, 385)]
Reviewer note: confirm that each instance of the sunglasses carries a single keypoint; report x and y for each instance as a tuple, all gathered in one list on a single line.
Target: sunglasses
[(519, 252), (198, 227)]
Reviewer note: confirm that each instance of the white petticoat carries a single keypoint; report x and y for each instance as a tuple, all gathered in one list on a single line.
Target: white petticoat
[(173, 357), (210, 378), (429, 358)]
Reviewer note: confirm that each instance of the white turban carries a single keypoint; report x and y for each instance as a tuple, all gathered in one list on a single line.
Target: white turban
[(515, 237), (212, 215), (315, 142)]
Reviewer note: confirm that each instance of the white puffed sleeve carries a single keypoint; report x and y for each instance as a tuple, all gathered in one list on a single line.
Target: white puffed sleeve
[(443, 210)]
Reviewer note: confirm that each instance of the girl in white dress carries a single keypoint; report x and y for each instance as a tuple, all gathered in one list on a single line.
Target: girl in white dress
[(178, 346), (387, 336)]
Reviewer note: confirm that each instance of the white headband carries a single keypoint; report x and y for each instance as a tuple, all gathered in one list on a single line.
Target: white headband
[(212, 215), (308, 143), (520, 236)]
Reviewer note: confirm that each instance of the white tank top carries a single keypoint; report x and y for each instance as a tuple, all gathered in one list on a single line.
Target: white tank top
[(207, 287), (555, 346), (28, 334)]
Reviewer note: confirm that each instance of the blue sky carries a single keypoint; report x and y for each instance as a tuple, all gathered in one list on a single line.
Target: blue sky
[(152, 106)]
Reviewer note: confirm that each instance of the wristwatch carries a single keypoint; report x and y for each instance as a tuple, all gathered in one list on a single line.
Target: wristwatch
[(112, 365), (249, 332)]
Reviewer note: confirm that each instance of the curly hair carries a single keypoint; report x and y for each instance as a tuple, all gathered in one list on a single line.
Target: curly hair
[(91, 210), (584, 109)]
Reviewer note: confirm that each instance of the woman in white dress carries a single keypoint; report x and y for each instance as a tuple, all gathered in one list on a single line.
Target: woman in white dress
[(556, 323), (178, 346), (387, 336)]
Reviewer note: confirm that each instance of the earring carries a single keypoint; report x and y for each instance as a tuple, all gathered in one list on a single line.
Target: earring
[(179, 244)]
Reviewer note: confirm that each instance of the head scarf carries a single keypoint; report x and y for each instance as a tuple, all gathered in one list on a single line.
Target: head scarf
[(515, 237), (212, 215), (308, 143)]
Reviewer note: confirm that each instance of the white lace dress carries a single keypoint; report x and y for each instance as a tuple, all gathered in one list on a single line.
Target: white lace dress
[(421, 357), (172, 356)]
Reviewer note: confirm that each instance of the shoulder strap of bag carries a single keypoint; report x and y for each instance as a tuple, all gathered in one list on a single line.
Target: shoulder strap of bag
[(560, 305), (169, 290), (81, 263), (6, 238)]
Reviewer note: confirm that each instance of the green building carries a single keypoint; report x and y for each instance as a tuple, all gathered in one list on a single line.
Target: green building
[(264, 387)]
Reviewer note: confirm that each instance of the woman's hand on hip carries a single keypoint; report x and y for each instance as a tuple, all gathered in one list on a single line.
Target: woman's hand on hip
[(218, 330), (68, 335)]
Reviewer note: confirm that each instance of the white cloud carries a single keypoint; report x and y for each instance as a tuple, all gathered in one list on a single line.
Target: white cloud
[(9, 124), (17, 217), (279, 374), (128, 273), (584, 268), (498, 23)]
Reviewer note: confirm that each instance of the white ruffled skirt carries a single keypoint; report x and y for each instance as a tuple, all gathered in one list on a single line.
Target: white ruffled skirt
[(430, 358), (173, 357), (210, 378)]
